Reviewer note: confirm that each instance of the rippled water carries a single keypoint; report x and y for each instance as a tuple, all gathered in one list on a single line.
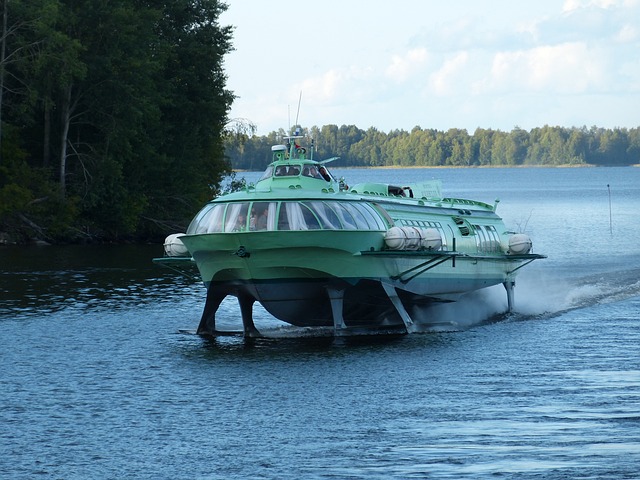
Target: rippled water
[(96, 380)]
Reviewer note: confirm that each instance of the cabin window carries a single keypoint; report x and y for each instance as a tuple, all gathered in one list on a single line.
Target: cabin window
[(263, 216), (236, 217), (195, 223), (297, 216), (268, 173), (208, 220), (293, 170), (283, 221), (487, 238), (324, 173), (373, 216), (481, 240), (438, 227), (310, 218), (358, 217), (381, 211), (313, 215), (309, 215), (328, 218), (495, 238), (287, 171), (311, 171), (346, 219)]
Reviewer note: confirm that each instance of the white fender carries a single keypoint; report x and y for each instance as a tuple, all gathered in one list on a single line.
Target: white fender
[(174, 247), (519, 244)]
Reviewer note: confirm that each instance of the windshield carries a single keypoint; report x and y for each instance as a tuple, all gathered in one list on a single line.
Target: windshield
[(289, 215)]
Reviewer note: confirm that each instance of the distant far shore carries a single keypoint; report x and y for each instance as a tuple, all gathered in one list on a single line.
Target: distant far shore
[(440, 167)]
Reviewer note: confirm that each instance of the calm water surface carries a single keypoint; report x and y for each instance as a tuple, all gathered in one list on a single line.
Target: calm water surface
[(96, 380)]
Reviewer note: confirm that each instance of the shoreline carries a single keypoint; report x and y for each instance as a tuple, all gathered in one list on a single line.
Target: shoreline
[(12, 235), (441, 167)]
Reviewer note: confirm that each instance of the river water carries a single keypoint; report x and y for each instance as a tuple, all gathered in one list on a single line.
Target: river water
[(98, 379)]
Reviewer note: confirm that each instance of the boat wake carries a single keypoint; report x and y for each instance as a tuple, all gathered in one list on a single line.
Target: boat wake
[(539, 295), (544, 295)]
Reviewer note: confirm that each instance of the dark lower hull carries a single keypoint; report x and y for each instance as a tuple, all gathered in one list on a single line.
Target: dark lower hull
[(362, 303)]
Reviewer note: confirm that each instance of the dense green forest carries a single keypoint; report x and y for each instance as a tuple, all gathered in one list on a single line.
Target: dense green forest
[(112, 116), (551, 146)]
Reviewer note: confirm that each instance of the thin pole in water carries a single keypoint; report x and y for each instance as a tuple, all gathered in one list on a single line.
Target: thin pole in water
[(610, 222)]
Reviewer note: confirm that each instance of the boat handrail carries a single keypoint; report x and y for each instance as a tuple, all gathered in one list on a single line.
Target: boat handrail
[(463, 201)]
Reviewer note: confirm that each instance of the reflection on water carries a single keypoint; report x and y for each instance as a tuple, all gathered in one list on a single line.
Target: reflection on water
[(38, 280)]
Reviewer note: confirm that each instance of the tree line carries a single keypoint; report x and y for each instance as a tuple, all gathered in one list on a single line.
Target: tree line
[(112, 115), (547, 145)]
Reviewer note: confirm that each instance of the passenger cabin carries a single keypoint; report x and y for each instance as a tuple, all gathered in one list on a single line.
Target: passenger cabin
[(290, 163), (301, 204)]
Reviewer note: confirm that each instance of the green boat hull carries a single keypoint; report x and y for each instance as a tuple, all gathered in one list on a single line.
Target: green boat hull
[(294, 274)]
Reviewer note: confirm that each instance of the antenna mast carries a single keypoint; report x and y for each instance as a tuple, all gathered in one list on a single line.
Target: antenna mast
[(298, 112)]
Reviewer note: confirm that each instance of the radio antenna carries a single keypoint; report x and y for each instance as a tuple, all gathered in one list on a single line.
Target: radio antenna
[(298, 112)]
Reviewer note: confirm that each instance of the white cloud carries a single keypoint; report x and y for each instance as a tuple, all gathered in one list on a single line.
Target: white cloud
[(630, 75), (445, 80), (402, 66), (627, 34), (567, 68), (571, 5), (324, 88), (336, 86)]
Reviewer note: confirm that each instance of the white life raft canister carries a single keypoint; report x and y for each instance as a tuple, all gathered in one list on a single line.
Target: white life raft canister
[(519, 244), (412, 238), (174, 247)]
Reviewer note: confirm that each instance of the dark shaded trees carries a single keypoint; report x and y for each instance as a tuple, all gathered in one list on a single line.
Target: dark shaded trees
[(119, 108)]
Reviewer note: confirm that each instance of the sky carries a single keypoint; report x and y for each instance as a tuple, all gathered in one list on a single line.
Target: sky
[(439, 64)]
